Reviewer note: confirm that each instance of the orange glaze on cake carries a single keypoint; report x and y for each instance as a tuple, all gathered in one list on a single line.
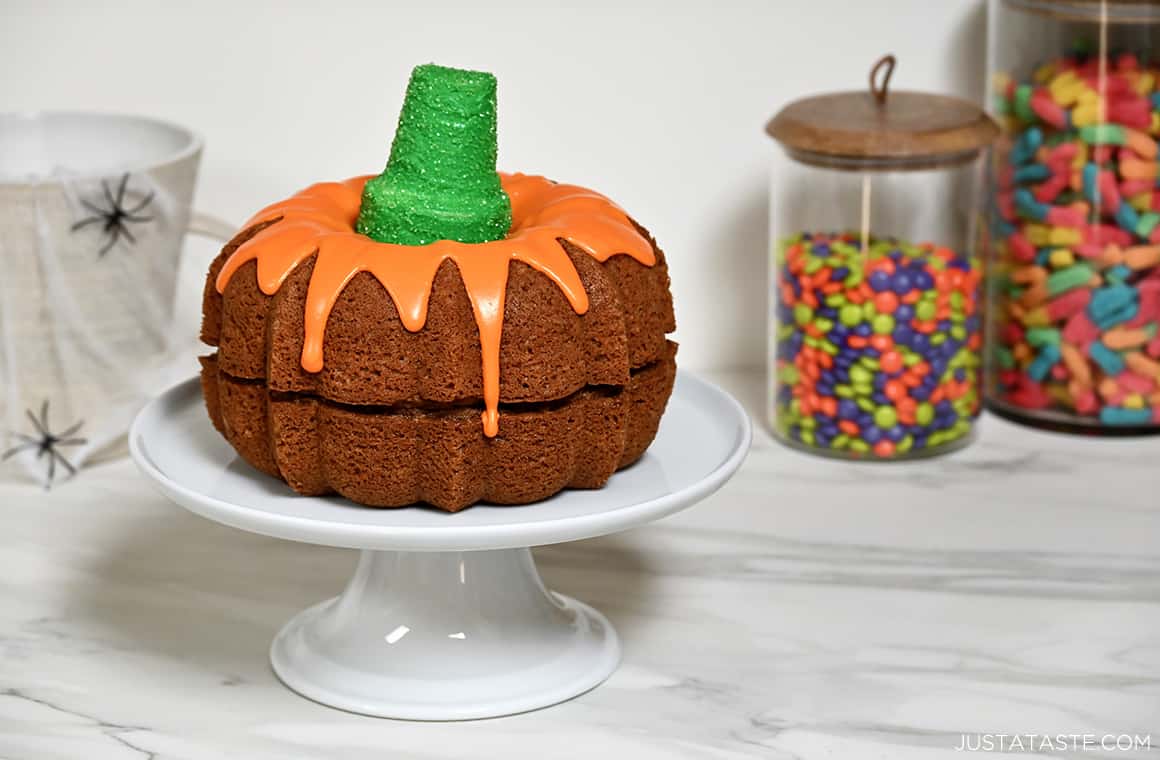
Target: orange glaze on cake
[(321, 219)]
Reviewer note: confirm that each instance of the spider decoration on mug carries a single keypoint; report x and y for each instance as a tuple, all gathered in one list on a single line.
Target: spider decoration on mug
[(114, 215), (46, 443)]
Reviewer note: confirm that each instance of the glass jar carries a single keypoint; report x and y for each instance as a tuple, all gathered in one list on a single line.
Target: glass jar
[(1074, 286), (875, 288)]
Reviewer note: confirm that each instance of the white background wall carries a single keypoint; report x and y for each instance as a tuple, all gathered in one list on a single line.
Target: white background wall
[(658, 105)]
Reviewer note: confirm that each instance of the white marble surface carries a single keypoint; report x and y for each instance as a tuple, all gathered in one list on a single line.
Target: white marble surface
[(811, 609)]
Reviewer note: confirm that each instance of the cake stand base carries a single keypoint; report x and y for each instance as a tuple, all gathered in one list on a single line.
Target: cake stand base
[(446, 617), (445, 636)]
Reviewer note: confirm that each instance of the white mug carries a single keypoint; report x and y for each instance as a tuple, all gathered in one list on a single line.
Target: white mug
[(93, 211)]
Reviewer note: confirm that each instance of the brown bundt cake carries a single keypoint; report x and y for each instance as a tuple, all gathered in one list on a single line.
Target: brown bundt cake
[(447, 372)]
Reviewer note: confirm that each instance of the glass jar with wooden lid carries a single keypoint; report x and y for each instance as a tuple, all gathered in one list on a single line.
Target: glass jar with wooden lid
[(1074, 194), (875, 326)]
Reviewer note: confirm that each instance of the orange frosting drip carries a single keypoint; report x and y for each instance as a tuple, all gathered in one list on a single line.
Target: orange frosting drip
[(321, 219)]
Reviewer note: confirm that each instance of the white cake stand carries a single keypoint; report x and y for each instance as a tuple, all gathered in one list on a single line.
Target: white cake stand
[(446, 617)]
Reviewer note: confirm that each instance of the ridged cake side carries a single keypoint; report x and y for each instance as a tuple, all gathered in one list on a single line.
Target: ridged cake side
[(547, 352), (396, 456)]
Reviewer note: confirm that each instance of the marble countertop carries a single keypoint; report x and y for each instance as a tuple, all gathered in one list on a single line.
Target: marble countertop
[(810, 609)]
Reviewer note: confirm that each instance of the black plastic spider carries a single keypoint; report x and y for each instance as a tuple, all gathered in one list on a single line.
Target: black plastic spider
[(46, 443), (115, 219)]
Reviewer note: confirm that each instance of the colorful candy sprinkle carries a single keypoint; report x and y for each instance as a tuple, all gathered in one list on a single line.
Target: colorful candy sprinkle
[(1077, 238), (877, 350)]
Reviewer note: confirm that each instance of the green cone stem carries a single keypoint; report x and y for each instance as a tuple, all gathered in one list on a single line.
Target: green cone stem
[(440, 182)]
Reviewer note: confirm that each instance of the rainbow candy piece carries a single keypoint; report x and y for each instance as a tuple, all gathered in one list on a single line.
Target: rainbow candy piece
[(877, 352), (1077, 237)]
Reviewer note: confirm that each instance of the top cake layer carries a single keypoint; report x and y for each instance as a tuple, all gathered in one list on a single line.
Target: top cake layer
[(369, 356)]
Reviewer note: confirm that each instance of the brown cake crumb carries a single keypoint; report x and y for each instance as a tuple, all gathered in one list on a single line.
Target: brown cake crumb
[(393, 417)]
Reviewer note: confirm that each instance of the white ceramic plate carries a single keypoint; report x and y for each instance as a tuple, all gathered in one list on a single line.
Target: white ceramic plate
[(703, 438), (431, 627)]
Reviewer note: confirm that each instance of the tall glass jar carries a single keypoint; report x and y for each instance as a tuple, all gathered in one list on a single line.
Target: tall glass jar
[(875, 325), (1074, 289)]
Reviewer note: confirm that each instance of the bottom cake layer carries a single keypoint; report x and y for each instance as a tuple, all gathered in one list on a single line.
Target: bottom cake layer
[(398, 457)]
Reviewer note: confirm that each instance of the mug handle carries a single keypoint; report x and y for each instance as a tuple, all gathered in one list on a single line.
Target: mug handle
[(210, 226)]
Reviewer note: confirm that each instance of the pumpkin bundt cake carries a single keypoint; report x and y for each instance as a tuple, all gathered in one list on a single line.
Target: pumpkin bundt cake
[(439, 333)]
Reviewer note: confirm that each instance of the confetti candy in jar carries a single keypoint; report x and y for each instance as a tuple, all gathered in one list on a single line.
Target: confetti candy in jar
[(877, 351), (1076, 236), (876, 333)]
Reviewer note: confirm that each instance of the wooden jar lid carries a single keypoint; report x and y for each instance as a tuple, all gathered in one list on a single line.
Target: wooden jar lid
[(1111, 11), (877, 129)]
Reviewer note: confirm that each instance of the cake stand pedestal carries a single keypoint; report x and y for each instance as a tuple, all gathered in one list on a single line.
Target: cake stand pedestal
[(445, 635), (446, 617)]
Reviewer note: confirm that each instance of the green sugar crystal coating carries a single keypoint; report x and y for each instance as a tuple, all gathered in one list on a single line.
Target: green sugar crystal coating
[(440, 182)]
